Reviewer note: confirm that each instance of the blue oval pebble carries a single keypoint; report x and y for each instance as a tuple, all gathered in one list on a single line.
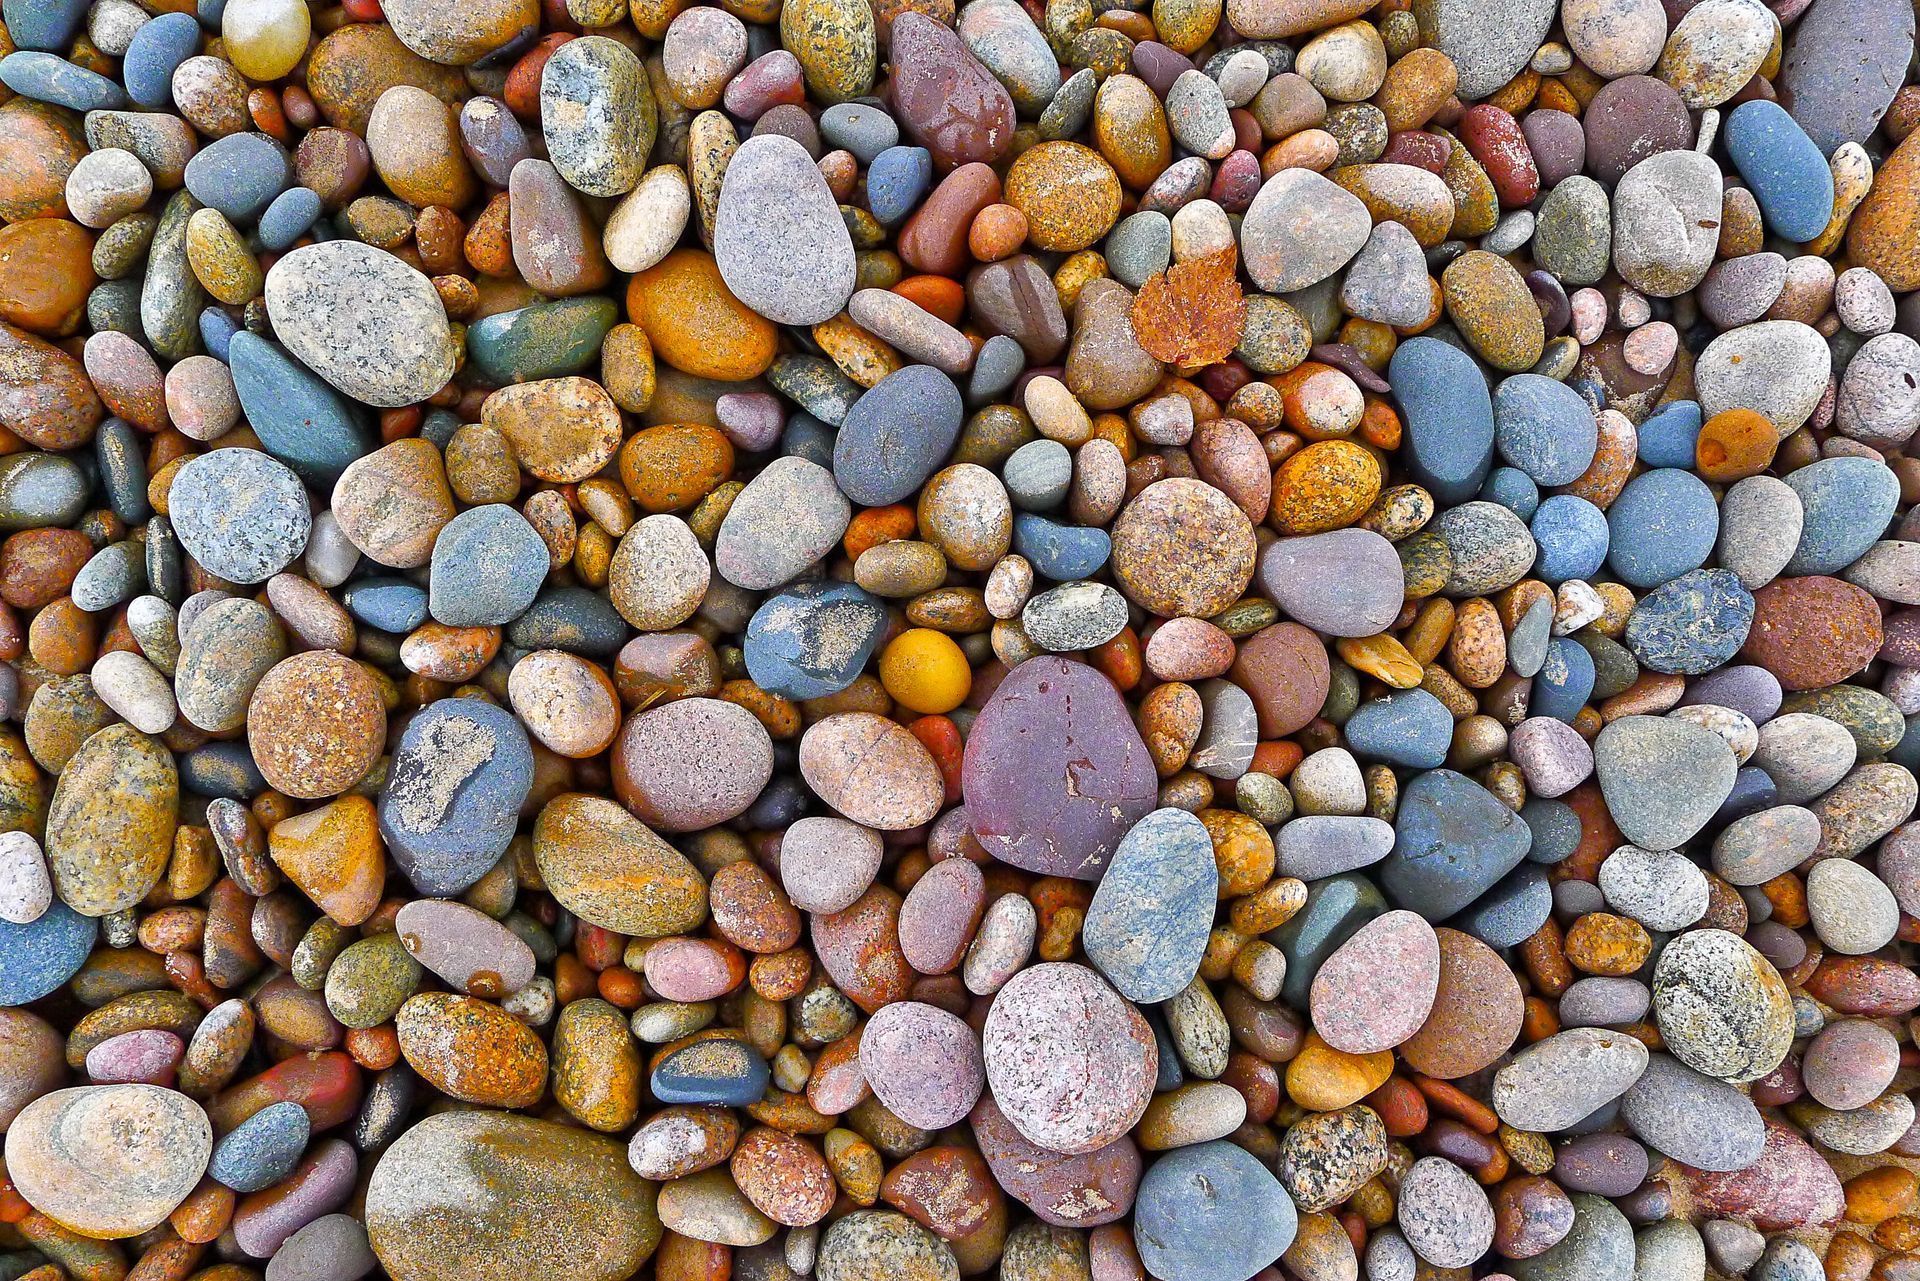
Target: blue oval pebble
[(1514, 490), (156, 51), (47, 77), (1211, 1212), (1848, 502), (301, 420), (1668, 437), (36, 958), (1789, 177), (290, 216), (1410, 728), (488, 564), (261, 1150), (459, 776), (1453, 839), (725, 1072), (1543, 427), (897, 435), (1663, 524), (1564, 683), (239, 175), (896, 180), (1449, 417), (1061, 552), (1572, 536)]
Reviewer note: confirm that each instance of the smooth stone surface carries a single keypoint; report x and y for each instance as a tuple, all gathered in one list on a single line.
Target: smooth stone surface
[(1663, 778), (1453, 840), (778, 237), (363, 320), (458, 777), (108, 1160), (1211, 1212), (1146, 928)]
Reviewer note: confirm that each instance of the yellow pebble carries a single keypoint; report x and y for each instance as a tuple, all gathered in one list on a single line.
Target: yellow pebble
[(925, 671), (1381, 657)]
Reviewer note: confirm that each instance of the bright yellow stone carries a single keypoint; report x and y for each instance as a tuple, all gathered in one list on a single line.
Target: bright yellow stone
[(925, 671), (265, 39)]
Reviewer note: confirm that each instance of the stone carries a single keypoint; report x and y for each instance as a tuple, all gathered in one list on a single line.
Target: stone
[(778, 236), (1722, 1008), (1050, 1033), (1146, 927), (108, 1161)]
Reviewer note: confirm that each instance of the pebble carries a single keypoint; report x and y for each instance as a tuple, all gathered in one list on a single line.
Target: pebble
[(1211, 1212), (1053, 1028), (1722, 1008), (108, 1161), (1143, 928)]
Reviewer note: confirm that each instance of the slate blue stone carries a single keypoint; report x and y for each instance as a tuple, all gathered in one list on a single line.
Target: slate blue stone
[(570, 618), (1785, 170), (1691, 625), (290, 216), (488, 564), (239, 175), (1544, 428), (1668, 437), (1514, 490), (1512, 911), (1572, 536), (1448, 415), (300, 419), (859, 127), (781, 803), (387, 604), (1060, 552), (1211, 1212), (221, 768), (211, 13), (897, 435), (998, 365), (1410, 728), (217, 328), (1453, 839), (459, 775), (47, 25), (1556, 829), (39, 490), (1753, 791), (1564, 683), (261, 1150), (813, 639), (1168, 1074), (1847, 502), (47, 77), (38, 957), (1335, 910), (122, 458), (807, 437), (726, 1073), (897, 179), (1151, 914), (1663, 524), (157, 49)]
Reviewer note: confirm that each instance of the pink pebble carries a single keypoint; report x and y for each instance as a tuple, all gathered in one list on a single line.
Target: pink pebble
[(147, 1056)]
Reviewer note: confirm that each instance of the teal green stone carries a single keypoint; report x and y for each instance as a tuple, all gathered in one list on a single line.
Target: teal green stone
[(1335, 910), (546, 340)]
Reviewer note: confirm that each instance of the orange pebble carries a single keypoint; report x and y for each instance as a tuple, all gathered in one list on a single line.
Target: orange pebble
[(621, 988), (374, 1048), (998, 231), (876, 525), (945, 298), (1735, 444), (940, 736), (1120, 659)]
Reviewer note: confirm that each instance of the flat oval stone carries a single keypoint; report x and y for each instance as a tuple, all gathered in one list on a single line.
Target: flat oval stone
[(787, 518), (1051, 1033), (1844, 64), (1449, 417), (1147, 926), (610, 870), (1211, 1212), (299, 418), (1785, 170), (1666, 222), (1693, 1118), (472, 1050), (491, 1196), (467, 949), (1777, 368), (1722, 1008), (261, 1150), (896, 435), (1846, 503), (724, 1072), (458, 777), (1443, 1213), (813, 639), (1346, 582), (778, 236), (691, 764), (487, 567), (1663, 524), (1544, 428), (1054, 773), (1378, 987), (1554, 1083), (923, 1064), (108, 1161), (110, 827), (240, 513), (1300, 229), (1692, 624), (363, 320), (872, 770), (1410, 728)]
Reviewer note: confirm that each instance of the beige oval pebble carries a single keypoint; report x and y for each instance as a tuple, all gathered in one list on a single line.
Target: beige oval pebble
[(871, 770), (108, 1161)]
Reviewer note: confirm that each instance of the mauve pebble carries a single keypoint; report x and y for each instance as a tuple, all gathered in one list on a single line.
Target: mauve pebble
[(923, 1064), (1053, 1032)]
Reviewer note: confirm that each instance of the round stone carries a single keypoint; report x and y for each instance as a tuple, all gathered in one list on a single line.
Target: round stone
[(243, 515), (1052, 1033), (108, 1160), (363, 320)]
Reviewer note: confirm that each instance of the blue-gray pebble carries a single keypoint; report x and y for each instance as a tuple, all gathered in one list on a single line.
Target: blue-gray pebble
[(1544, 428), (156, 51), (239, 175), (387, 604), (47, 77), (1150, 918), (1848, 502), (726, 1073), (1564, 682), (261, 1150), (1691, 625), (290, 216), (1410, 728), (1514, 490), (36, 958), (1449, 417), (1785, 170), (1211, 1212), (813, 639), (1663, 524), (897, 435), (896, 180), (459, 775), (300, 419), (1668, 437), (488, 564), (1572, 535), (1453, 839), (1513, 910)]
